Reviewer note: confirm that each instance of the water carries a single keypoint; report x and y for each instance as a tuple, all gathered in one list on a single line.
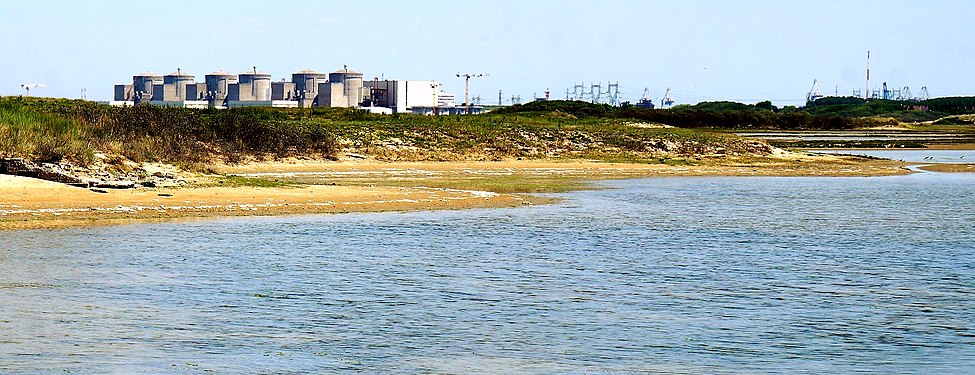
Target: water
[(854, 136), (667, 275), (912, 156)]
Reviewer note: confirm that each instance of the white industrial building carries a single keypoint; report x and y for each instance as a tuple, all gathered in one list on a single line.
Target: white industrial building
[(402, 95)]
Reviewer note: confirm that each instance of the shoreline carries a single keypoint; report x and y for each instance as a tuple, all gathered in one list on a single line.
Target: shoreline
[(329, 187)]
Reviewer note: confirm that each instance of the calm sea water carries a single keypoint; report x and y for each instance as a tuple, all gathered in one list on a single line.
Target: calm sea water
[(667, 275)]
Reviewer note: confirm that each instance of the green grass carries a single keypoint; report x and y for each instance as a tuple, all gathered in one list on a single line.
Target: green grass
[(44, 137), (242, 181), (73, 129), (501, 184)]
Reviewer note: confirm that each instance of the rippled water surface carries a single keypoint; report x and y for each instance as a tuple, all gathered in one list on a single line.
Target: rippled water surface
[(667, 275)]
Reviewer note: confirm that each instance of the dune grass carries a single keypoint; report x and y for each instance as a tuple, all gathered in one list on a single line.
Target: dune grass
[(43, 137), (55, 129)]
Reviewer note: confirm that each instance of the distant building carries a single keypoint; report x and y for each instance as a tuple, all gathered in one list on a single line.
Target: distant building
[(308, 88), (139, 90), (218, 88), (402, 96), (442, 111), (179, 89), (283, 91), (445, 99), (343, 89)]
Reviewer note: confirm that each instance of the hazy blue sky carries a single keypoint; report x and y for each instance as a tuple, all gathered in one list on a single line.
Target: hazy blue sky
[(704, 50)]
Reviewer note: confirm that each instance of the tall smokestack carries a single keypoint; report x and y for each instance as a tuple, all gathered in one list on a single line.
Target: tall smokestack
[(866, 94)]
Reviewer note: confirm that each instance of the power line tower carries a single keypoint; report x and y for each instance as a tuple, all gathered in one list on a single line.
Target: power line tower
[(906, 93), (467, 88), (595, 92), (578, 92), (516, 99), (613, 92), (923, 94)]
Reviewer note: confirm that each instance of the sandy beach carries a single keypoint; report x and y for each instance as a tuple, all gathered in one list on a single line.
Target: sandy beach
[(372, 186)]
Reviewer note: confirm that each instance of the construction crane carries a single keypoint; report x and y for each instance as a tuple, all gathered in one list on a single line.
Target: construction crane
[(28, 86), (814, 93), (467, 88), (667, 100)]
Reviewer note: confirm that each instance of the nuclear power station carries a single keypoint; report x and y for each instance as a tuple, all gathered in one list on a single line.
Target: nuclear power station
[(308, 88)]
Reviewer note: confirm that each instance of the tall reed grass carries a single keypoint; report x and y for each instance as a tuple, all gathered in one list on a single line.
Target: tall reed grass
[(43, 137)]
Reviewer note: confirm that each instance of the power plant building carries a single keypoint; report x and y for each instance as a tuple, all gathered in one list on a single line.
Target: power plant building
[(343, 89), (218, 87), (402, 96), (308, 88), (283, 91), (179, 89)]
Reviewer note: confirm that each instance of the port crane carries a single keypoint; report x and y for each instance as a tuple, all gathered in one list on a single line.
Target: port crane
[(814, 93), (667, 100), (645, 101)]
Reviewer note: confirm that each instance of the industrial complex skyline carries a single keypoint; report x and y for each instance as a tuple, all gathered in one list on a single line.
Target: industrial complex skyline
[(703, 50), (307, 88)]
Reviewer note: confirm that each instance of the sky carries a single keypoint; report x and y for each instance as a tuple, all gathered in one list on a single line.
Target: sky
[(745, 51)]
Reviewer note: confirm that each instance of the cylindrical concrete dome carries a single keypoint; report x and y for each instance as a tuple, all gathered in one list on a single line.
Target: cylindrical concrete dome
[(175, 77), (352, 83), (307, 80), (344, 74), (143, 82), (218, 84), (260, 84)]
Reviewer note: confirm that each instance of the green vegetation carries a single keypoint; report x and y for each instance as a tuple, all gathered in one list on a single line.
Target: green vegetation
[(502, 184), (829, 113), (904, 111), (58, 129), (44, 137), (707, 115), (541, 135), (956, 120), (187, 136), (241, 181)]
